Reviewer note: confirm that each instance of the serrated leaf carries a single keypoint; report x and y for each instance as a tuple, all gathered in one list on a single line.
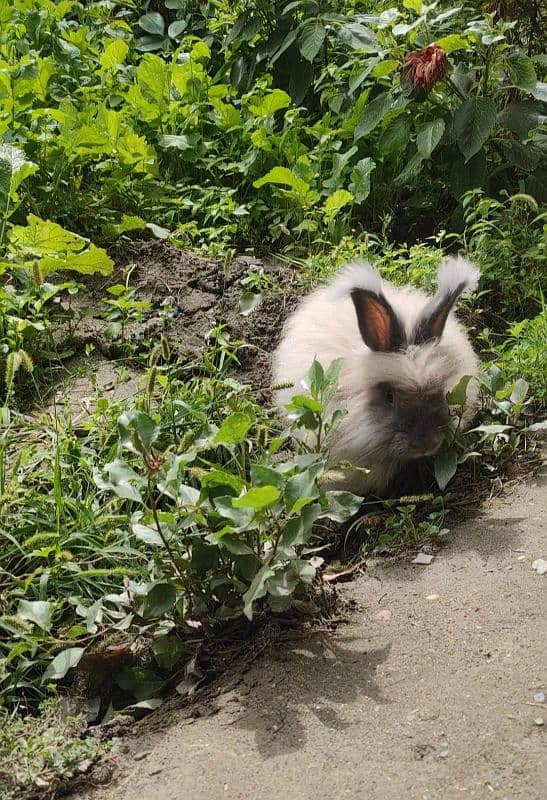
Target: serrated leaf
[(38, 611), (395, 136), (445, 464), (258, 497), (63, 661), (91, 261), (311, 40), (429, 137), (372, 114), (474, 121)]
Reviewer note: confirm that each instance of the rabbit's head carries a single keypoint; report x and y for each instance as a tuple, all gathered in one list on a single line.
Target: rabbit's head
[(415, 353)]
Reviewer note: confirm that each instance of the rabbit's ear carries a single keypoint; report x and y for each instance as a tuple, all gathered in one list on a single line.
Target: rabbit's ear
[(378, 324), (455, 277)]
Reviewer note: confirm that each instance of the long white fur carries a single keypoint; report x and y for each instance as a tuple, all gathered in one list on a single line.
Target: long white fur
[(325, 327)]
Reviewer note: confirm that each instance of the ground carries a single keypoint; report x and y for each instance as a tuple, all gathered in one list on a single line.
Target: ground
[(432, 690)]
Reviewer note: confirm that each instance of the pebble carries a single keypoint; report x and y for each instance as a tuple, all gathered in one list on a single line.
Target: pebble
[(539, 697), (141, 755), (539, 721), (155, 771)]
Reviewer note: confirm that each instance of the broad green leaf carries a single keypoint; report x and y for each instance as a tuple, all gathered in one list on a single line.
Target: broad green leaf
[(128, 223), (336, 202), (298, 530), (474, 121), (234, 545), (141, 682), (360, 179), (415, 5), (522, 71), (429, 137), (539, 91), (160, 599), (301, 489), (342, 505), (521, 117), (63, 661), (395, 136), (258, 497), (149, 534), (311, 39), (137, 431), (411, 170), (167, 650), (358, 37), (14, 169), (272, 102), (41, 237), (180, 142), (240, 518), (91, 261), (458, 395), (234, 429), (491, 430), (114, 54), (38, 611), (176, 28), (385, 68), (285, 177), (372, 114), (261, 473), (453, 42), (248, 302), (121, 480), (445, 464), (257, 589), (152, 23)]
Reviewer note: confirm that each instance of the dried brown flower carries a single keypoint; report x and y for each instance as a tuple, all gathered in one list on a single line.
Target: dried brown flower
[(425, 67)]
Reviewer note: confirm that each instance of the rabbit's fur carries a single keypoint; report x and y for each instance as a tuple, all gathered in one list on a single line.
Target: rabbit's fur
[(402, 350)]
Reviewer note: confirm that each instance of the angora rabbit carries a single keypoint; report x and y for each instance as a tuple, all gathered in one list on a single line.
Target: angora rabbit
[(402, 350)]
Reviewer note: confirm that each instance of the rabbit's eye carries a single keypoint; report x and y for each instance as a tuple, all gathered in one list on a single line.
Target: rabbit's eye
[(390, 397)]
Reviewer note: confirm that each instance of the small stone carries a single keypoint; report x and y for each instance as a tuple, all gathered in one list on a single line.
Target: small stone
[(539, 697), (155, 771), (141, 755), (433, 596), (423, 558), (539, 721), (540, 566), (383, 615)]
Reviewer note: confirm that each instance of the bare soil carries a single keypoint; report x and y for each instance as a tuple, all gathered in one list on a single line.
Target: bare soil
[(432, 690)]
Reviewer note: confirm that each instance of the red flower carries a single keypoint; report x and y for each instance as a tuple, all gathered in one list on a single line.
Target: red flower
[(426, 67)]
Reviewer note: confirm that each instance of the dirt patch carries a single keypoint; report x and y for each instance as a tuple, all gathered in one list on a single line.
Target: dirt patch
[(434, 690), (201, 293)]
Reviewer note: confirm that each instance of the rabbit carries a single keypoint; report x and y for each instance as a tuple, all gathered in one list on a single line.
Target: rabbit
[(402, 352)]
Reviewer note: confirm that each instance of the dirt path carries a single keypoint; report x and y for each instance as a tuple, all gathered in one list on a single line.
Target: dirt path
[(427, 693)]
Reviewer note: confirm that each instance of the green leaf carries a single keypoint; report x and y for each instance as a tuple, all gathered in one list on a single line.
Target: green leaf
[(152, 23), (335, 203), (539, 91), (160, 599), (342, 505), (522, 71), (311, 39), (88, 262), (248, 302), (411, 170), (385, 68), (38, 611), (41, 238), (272, 102), (63, 661), (474, 121), (429, 137), (458, 395), (258, 498), (180, 142), (298, 530), (14, 169), (257, 589), (360, 179), (114, 54), (121, 479), (453, 42), (372, 114), (395, 136), (446, 464), (415, 5), (234, 429), (234, 545), (141, 682), (167, 650), (260, 473), (285, 177), (137, 431), (302, 488)]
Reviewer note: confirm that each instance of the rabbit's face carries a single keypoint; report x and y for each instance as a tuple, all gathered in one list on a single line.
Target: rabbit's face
[(412, 422)]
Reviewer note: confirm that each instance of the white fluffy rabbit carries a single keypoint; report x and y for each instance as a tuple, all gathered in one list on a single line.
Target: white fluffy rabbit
[(402, 350)]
